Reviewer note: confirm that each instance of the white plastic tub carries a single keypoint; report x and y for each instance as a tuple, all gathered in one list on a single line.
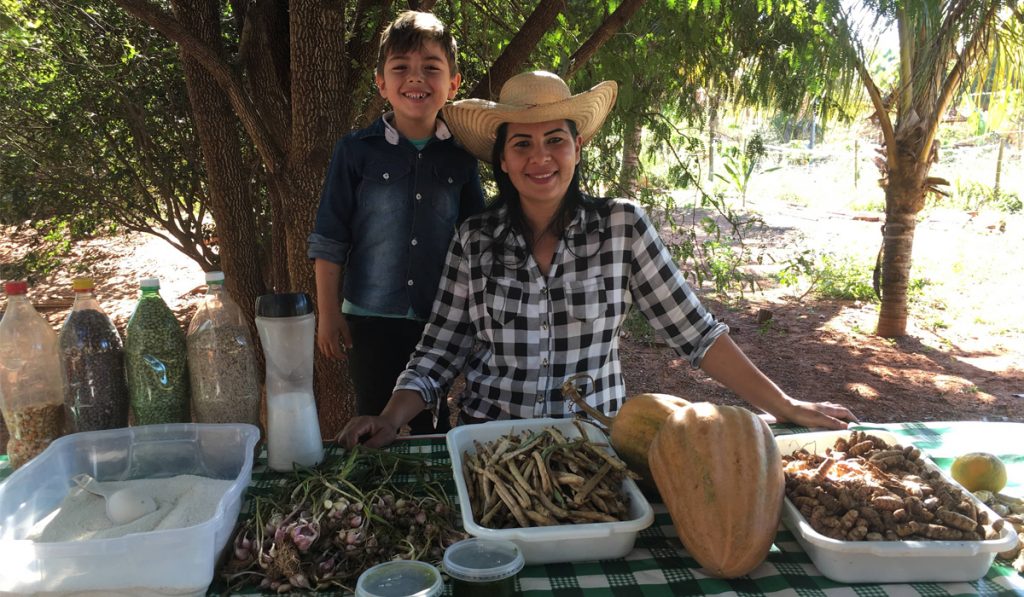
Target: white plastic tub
[(563, 543), (166, 562), (888, 561)]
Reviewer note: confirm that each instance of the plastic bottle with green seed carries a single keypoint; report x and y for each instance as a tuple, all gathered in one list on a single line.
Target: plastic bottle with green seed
[(156, 361)]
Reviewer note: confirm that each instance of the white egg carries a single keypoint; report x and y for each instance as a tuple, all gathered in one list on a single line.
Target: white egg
[(125, 505)]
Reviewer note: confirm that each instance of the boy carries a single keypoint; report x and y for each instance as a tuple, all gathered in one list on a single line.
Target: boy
[(393, 195)]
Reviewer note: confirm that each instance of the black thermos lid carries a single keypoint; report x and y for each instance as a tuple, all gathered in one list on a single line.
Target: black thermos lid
[(285, 304)]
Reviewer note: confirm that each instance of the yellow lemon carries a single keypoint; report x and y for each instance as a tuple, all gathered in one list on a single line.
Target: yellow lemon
[(978, 470)]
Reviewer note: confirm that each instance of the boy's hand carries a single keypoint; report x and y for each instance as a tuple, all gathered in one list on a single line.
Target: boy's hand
[(332, 336)]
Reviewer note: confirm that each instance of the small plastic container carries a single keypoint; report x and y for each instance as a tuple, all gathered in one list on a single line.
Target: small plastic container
[(483, 567), (400, 578)]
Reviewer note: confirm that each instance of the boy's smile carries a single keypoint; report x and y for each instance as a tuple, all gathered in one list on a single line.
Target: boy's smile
[(417, 84)]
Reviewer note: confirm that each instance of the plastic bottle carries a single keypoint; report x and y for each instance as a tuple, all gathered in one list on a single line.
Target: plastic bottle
[(222, 360), (31, 392), (156, 361), (92, 355)]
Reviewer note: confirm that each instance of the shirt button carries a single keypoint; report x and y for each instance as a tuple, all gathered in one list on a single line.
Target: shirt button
[(544, 363), (450, 180), (419, 156), (544, 326), (410, 282), (418, 196), (544, 290), (386, 176), (414, 242)]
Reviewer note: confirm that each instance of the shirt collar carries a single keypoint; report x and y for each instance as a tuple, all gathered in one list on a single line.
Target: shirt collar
[(392, 136), (584, 221)]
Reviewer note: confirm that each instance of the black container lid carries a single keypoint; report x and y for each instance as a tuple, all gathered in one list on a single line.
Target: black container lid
[(285, 304)]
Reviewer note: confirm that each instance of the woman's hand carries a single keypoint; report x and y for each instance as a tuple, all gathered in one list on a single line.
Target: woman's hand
[(372, 432), (815, 414), (379, 431)]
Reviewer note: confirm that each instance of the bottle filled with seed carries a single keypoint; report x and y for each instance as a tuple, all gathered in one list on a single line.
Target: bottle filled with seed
[(156, 361), (92, 355), (31, 392), (222, 360)]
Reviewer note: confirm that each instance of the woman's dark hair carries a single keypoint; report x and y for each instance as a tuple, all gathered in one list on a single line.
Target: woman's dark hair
[(508, 195)]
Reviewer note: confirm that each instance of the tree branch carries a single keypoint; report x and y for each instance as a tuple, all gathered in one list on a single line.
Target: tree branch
[(218, 68), (602, 34), (519, 48)]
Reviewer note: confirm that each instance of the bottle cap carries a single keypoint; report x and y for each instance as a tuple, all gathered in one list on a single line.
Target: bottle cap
[(82, 284), (214, 277), (149, 283), (288, 304), (16, 287), (400, 578), (483, 560)]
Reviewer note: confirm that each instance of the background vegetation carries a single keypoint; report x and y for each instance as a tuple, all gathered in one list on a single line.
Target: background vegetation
[(209, 124)]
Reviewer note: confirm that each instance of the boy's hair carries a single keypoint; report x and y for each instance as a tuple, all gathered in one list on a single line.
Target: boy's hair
[(409, 31)]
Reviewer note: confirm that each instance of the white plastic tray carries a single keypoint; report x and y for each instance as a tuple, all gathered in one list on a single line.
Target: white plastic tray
[(563, 543), (888, 561), (167, 562)]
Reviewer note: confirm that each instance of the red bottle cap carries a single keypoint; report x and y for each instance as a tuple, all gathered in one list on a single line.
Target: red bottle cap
[(17, 287)]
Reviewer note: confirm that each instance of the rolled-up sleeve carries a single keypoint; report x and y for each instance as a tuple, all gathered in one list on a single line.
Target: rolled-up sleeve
[(662, 294), (331, 238)]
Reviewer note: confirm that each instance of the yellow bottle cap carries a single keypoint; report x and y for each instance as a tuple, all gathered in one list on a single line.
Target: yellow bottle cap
[(80, 284)]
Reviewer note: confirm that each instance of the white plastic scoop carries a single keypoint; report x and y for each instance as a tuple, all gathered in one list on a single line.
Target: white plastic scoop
[(123, 505)]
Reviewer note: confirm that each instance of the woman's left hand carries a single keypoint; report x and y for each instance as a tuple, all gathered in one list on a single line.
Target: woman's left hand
[(816, 414)]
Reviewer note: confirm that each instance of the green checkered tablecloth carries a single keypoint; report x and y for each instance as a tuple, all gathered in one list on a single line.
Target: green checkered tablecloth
[(658, 566)]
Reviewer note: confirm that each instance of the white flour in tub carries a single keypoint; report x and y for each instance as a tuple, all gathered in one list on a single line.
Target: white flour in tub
[(182, 501)]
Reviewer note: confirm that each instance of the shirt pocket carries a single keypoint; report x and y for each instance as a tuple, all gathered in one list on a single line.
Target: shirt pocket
[(585, 300), (449, 183), (505, 299), (385, 188)]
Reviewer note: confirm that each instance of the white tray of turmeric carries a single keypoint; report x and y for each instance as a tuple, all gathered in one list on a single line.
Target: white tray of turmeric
[(868, 508)]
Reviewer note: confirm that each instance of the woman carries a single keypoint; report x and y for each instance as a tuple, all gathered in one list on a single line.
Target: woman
[(536, 288)]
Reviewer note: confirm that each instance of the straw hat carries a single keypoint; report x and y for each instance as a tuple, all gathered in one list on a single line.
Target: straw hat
[(527, 98)]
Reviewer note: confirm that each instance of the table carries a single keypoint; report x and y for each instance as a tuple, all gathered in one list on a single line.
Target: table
[(658, 566)]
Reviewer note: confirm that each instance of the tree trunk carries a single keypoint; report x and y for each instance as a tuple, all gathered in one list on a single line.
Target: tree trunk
[(712, 131), (230, 199), (630, 160), (898, 242), (321, 112)]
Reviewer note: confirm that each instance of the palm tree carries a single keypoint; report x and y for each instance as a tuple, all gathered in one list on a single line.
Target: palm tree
[(943, 46)]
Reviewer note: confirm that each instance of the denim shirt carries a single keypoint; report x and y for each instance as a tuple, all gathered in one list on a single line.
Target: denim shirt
[(388, 212)]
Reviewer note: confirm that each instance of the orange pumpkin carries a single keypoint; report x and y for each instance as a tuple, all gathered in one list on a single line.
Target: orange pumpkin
[(720, 474)]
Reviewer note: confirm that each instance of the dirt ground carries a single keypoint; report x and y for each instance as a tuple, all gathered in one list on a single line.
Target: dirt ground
[(814, 349)]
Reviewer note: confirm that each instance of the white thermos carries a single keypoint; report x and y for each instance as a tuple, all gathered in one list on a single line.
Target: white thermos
[(287, 325)]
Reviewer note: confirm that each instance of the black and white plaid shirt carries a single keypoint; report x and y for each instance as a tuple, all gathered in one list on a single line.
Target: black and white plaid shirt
[(518, 335)]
